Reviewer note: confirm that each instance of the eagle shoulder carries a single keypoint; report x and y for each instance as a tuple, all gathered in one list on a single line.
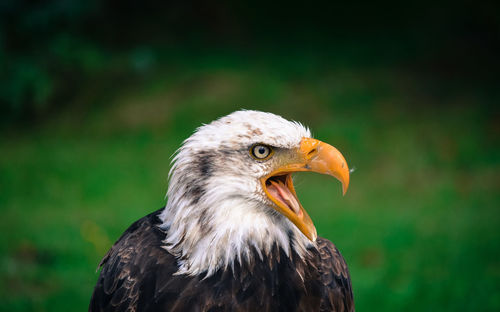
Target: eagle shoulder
[(334, 276), (129, 267)]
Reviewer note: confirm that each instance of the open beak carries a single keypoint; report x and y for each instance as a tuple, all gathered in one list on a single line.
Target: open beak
[(312, 155)]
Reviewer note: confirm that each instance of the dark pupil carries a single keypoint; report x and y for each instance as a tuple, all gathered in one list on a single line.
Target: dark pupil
[(262, 150)]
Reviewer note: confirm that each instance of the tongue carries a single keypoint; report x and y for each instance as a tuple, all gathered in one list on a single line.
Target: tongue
[(279, 191)]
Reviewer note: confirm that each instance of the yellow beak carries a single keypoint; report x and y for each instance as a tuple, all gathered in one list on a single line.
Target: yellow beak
[(312, 155)]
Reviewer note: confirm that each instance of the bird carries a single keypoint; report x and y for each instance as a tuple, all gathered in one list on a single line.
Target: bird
[(233, 235)]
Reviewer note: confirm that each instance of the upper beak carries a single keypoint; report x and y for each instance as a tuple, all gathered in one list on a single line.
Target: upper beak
[(325, 159), (312, 155)]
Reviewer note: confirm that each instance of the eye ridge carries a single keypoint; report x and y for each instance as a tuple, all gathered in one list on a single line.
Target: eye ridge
[(261, 151)]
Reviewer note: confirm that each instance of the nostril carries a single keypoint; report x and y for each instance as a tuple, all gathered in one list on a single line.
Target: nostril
[(313, 151)]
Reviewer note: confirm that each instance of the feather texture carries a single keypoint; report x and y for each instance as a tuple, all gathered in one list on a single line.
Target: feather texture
[(138, 274)]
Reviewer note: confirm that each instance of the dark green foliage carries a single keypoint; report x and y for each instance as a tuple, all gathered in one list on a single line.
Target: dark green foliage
[(52, 51)]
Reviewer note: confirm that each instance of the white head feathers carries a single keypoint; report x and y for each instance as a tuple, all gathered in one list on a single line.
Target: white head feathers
[(217, 211)]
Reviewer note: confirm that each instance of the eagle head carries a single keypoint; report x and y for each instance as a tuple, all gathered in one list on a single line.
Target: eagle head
[(231, 192)]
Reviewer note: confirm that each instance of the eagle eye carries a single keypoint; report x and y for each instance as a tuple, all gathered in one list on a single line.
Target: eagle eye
[(260, 151)]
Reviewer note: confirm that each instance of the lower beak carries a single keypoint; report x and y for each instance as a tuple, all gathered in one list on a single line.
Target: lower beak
[(312, 155)]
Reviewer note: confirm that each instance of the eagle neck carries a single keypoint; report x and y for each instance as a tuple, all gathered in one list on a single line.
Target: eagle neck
[(213, 236)]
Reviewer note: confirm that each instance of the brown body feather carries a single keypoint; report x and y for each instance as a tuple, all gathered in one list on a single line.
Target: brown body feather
[(138, 275)]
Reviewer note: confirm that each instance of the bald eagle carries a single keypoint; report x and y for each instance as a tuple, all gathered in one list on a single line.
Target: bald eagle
[(233, 236)]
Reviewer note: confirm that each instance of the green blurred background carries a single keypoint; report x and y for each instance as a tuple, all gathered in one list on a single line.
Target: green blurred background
[(95, 97)]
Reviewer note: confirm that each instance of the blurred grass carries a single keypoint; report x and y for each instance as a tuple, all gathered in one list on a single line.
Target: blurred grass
[(418, 227)]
